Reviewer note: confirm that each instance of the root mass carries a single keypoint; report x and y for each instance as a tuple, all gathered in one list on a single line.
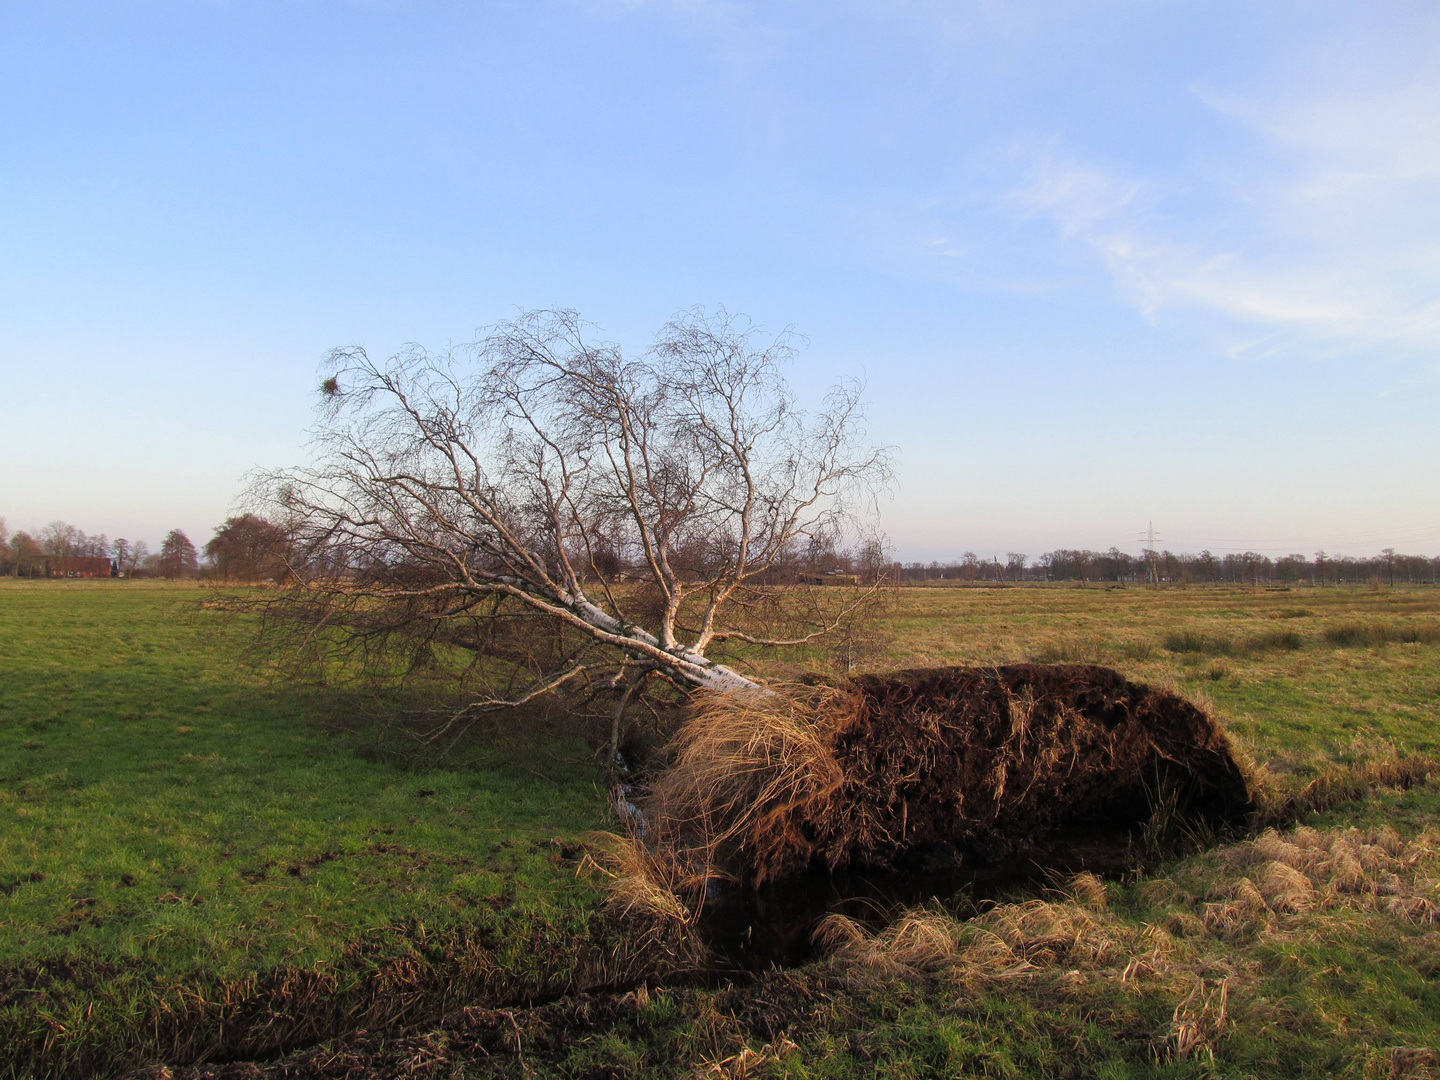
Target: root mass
[(946, 764)]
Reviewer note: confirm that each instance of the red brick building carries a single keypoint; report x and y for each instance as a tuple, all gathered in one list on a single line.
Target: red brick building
[(74, 566)]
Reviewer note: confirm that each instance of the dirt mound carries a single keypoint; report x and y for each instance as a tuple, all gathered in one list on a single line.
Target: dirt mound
[(958, 763)]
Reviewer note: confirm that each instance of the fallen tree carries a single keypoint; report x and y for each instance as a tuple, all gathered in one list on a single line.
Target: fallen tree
[(579, 522)]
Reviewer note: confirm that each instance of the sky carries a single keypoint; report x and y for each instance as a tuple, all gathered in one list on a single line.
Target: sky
[(1099, 264)]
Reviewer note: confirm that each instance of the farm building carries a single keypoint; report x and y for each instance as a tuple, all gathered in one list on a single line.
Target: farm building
[(79, 566), (830, 577)]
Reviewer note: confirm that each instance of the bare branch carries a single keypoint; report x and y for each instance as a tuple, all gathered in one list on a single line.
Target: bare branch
[(475, 500)]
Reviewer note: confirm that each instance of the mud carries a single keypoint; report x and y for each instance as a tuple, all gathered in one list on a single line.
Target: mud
[(758, 929)]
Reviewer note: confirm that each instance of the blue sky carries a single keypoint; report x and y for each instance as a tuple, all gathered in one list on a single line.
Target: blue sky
[(1100, 263)]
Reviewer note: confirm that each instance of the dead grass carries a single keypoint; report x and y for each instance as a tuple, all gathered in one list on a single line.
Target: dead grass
[(1071, 930), (1378, 764), (1278, 885), (740, 762), (647, 889), (1312, 870)]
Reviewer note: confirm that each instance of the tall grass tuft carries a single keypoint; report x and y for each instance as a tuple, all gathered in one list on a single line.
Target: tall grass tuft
[(1275, 641), (1358, 635), (648, 890), (1190, 641)]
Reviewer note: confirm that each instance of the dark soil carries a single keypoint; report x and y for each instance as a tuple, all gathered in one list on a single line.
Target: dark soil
[(756, 929), (513, 1042), (965, 765)]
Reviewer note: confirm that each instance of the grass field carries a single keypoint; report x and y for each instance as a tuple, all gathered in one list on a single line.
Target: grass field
[(1306, 677), (194, 859), (173, 827)]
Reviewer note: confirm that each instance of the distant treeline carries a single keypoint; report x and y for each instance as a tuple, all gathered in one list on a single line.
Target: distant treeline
[(244, 548), (1250, 568), (249, 548)]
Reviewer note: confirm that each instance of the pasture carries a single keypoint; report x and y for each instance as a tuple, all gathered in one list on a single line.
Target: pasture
[(198, 862)]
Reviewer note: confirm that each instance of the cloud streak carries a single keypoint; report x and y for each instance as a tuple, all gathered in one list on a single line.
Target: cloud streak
[(1328, 232)]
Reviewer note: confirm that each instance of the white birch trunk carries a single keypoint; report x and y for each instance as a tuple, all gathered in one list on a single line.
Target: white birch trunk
[(693, 667)]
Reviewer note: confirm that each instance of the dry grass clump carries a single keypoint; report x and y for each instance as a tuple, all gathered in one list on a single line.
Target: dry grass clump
[(1073, 930), (1378, 764), (1199, 1020), (739, 760), (1409, 1063), (1358, 869), (646, 889), (1274, 883), (741, 763), (748, 1061)]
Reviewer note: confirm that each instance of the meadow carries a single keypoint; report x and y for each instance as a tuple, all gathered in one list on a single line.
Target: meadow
[(199, 862)]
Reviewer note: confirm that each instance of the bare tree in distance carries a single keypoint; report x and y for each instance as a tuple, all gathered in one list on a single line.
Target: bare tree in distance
[(59, 539), (575, 518), (139, 557)]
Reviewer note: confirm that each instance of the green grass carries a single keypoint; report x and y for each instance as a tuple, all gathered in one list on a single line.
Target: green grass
[(1331, 992), (171, 826), (191, 854), (1287, 671)]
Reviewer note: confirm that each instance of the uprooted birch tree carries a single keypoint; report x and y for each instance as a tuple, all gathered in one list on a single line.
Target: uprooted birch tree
[(576, 521)]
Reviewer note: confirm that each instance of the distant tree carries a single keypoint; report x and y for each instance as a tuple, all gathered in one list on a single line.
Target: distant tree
[(121, 551), (177, 556), (249, 548), (1014, 565), (27, 554), (1208, 566), (1169, 565), (59, 539)]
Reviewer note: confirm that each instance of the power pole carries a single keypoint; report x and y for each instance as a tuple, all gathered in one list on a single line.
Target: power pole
[(1151, 559)]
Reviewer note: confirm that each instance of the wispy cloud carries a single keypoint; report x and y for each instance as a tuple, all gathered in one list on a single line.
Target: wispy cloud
[(1330, 231), (743, 41)]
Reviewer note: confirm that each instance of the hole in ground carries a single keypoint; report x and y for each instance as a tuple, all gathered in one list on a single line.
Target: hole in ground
[(754, 929), (881, 791)]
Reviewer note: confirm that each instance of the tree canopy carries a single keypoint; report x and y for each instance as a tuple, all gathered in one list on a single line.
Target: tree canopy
[(572, 516)]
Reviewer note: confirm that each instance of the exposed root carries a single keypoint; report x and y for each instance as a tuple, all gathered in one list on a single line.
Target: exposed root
[(966, 760)]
